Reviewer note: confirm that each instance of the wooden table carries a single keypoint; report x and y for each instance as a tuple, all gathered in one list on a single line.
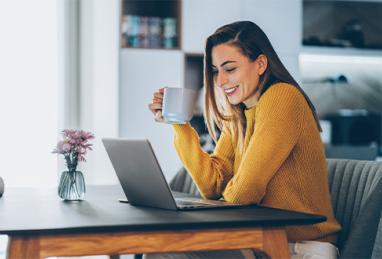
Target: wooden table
[(39, 225)]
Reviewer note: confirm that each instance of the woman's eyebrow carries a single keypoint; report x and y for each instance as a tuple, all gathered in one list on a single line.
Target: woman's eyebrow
[(225, 63)]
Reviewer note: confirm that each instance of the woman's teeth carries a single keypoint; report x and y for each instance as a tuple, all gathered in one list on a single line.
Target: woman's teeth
[(230, 90)]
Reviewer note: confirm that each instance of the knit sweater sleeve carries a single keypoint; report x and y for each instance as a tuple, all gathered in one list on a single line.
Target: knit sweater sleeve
[(279, 114), (210, 173)]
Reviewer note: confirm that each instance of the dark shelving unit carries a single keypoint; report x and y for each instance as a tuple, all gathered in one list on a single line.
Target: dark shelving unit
[(151, 24), (344, 24)]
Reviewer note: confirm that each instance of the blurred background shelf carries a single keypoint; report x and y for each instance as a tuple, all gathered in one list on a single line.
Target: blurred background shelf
[(150, 24), (351, 23), (338, 51)]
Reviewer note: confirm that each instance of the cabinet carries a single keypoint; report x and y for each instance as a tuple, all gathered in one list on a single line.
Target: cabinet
[(341, 67), (150, 24), (345, 24), (341, 38)]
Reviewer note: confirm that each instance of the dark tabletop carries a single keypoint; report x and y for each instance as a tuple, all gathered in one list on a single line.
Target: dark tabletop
[(41, 211)]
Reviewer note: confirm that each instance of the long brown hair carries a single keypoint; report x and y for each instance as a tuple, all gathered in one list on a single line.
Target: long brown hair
[(251, 41)]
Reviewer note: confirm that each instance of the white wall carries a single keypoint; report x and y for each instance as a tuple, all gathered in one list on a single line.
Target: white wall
[(282, 23), (200, 18), (99, 84), (141, 73), (68, 44), (280, 20)]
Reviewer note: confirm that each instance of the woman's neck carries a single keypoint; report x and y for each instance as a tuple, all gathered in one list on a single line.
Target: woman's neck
[(252, 101)]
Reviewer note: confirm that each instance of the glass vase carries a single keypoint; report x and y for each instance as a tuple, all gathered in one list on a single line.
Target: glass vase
[(72, 186)]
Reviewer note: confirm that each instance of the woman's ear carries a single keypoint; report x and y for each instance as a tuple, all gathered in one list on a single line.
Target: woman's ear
[(262, 62)]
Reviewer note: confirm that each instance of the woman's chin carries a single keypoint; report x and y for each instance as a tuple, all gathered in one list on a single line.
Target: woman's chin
[(234, 101)]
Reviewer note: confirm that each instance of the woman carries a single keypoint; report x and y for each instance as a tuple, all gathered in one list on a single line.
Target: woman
[(269, 151)]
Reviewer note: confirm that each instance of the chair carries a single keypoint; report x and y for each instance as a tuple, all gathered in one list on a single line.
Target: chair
[(356, 192)]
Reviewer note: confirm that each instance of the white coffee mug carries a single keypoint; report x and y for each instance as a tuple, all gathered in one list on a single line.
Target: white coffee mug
[(1, 187), (178, 104)]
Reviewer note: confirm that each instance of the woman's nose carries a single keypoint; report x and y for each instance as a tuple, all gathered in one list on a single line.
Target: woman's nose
[(221, 79)]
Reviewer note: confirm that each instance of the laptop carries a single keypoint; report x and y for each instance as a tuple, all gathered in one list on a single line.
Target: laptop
[(142, 179)]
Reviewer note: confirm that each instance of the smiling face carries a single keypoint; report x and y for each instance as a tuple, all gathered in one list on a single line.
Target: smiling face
[(236, 75)]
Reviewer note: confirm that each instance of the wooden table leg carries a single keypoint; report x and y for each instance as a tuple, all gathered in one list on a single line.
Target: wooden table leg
[(275, 243), (23, 247)]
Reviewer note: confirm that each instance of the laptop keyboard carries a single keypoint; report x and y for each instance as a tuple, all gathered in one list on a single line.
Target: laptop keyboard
[(191, 204)]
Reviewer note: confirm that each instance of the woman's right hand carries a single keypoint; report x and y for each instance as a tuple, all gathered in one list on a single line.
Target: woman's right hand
[(156, 105)]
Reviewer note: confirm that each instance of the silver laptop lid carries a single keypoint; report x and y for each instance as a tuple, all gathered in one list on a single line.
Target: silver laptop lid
[(139, 173)]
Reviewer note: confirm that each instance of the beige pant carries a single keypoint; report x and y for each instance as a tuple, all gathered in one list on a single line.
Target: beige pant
[(313, 250), (299, 250)]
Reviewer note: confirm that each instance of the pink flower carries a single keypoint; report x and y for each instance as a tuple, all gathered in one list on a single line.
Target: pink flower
[(74, 145), (66, 147), (58, 148)]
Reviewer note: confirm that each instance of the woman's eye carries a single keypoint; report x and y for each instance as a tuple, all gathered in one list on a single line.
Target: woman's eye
[(231, 69)]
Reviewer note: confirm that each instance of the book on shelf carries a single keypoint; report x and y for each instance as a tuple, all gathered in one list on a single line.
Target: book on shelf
[(148, 32)]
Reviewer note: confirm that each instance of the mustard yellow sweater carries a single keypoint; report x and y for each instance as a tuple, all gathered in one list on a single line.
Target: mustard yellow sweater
[(282, 165)]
